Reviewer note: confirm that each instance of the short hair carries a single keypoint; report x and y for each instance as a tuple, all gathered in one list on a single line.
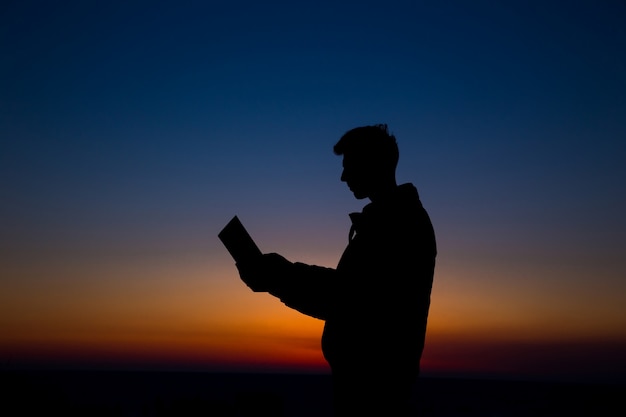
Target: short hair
[(373, 143)]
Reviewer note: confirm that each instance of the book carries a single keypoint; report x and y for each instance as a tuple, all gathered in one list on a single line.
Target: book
[(238, 242)]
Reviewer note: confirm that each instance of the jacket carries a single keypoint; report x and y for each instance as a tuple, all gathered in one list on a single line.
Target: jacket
[(375, 302)]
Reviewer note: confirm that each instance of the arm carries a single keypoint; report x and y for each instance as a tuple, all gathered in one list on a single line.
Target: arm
[(305, 288)]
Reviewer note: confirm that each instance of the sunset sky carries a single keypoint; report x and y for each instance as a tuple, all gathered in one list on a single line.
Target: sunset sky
[(132, 131)]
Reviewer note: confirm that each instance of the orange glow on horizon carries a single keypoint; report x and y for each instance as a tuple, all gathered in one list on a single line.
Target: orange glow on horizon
[(147, 316)]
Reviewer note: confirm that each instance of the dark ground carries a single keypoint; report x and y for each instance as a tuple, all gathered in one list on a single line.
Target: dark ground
[(111, 393)]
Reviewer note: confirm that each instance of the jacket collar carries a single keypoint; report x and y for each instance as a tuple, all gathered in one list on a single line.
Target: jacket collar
[(404, 192)]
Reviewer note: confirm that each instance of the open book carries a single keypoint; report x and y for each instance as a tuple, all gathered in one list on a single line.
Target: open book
[(238, 242), (242, 248)]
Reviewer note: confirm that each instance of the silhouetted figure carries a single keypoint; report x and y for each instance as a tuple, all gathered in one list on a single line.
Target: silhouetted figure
[(375, 303)]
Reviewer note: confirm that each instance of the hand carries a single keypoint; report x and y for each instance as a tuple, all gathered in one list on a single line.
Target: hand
[(265, 272)]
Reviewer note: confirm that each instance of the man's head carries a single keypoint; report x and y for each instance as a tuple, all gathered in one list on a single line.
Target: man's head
[(370, 156)]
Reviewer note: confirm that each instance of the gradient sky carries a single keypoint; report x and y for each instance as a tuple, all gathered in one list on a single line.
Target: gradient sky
[(131, 132)]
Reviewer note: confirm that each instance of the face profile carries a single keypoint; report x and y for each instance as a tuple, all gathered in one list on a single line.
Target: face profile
[(370, 155), (357, 176)]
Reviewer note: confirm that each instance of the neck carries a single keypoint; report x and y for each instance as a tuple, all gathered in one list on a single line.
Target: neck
[(383, 191)]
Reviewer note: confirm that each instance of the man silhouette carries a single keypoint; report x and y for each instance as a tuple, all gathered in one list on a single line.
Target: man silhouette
[(375, 302)]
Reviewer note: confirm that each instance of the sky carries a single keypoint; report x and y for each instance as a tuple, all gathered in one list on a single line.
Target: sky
[(131, 132)]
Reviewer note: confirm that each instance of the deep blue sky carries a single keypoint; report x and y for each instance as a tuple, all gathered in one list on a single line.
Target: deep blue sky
[(137, 129)]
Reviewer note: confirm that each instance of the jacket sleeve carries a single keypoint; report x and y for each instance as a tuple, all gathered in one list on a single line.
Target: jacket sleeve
[(307, 289)]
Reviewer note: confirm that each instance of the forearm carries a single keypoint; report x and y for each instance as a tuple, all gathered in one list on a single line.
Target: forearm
[(307, 288)]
